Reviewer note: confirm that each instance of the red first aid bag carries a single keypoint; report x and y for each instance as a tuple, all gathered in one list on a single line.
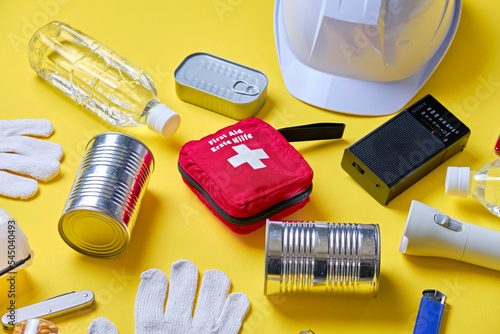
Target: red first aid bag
[(248, 172)]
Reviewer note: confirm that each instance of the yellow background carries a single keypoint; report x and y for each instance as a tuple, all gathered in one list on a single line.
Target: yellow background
[(173, 224)]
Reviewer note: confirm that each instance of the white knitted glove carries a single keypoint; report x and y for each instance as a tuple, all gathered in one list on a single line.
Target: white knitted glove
[(26, 155), (214, 313)]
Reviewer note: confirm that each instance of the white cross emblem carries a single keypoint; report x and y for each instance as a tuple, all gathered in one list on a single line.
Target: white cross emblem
[(246, 155)]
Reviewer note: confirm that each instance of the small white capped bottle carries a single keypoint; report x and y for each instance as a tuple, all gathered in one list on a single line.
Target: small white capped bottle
[(18, 254), (483, 184), (99, 79)]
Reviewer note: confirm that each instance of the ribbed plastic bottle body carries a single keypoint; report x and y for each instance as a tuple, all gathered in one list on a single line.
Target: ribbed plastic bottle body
[(484, 186), (93, 75)]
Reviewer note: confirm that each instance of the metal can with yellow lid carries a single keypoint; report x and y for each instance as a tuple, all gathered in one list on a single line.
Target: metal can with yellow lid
[(102, 207)]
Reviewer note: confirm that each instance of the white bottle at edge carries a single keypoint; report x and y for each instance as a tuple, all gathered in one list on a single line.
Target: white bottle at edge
[(99, 79), (483, 184)]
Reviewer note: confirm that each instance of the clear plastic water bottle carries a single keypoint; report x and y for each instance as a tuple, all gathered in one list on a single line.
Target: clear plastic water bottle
[(99, 79), (483, 184)]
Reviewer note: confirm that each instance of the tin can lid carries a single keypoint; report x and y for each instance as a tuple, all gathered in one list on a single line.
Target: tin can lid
[(93, 233)]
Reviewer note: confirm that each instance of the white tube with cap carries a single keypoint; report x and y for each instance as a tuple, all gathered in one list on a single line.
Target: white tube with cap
[(429, 232), (17, 252)]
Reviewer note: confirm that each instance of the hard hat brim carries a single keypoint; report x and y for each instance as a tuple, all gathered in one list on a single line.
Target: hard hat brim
[(348, 95)]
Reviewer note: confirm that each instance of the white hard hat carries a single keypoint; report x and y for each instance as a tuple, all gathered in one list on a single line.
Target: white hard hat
[(367, 57)]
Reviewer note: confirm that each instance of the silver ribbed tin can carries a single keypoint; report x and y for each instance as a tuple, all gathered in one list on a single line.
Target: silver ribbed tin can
[(320, 257), (103, 203)]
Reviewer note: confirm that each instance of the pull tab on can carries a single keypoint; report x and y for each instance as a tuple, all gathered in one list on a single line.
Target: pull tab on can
[(320, 257), (244, 88)]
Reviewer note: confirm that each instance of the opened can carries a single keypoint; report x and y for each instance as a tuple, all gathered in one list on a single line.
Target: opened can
[(102, 207), (320, 257)]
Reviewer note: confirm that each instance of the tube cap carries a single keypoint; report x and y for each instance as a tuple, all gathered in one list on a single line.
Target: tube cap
[(23, 253), (163, 120), (457, 181)]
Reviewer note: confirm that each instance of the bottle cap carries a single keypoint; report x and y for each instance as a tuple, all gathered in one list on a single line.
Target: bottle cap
[(457, 181), (163, 120)]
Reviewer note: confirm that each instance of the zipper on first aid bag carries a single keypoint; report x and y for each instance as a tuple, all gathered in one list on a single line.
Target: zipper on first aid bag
[(269, 212)]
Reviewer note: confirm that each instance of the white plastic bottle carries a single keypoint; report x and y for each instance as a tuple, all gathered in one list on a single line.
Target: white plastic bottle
[(17, 253), (99, 79), (483, 184)]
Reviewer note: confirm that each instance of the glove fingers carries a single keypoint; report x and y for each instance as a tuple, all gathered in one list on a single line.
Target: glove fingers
[(233, 313), (150, 300), (32, 147), (35, 127), (39, 169), (183, 284), (213, 292), (16, 186), (101, 326)]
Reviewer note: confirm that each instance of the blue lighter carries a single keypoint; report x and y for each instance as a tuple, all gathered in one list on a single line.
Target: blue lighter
[(430, 312)]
